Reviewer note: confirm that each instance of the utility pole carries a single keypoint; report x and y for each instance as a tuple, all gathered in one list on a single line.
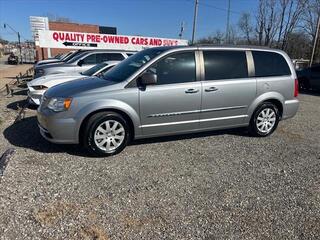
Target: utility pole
[(195, 20), (315, 42), (7, 25), (228, 23)]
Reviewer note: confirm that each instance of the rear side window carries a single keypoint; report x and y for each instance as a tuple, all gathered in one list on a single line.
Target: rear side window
[(225, 65), (102, 57), (269, 64)]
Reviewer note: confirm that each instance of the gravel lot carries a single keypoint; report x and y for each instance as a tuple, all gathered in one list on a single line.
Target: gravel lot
[(217, 185)]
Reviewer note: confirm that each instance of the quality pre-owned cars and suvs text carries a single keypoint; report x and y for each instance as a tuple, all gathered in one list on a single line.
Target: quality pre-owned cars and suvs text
[(172, 90)]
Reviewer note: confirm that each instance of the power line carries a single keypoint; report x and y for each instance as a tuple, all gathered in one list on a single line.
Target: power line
[(12, 33), (218, 8)]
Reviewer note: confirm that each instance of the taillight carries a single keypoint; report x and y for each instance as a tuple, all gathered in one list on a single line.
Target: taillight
[(296, 88)]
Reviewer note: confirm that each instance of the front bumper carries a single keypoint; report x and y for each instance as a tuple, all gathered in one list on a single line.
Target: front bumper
[(35, 96), (290, 108), (55, 128)]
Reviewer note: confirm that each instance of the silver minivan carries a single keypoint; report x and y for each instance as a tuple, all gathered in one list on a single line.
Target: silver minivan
[(172, 90)]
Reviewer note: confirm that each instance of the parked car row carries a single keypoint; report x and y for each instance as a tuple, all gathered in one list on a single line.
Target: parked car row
[(38, 86), (165, 91), (57, 58), (78, 62), (69, 66)]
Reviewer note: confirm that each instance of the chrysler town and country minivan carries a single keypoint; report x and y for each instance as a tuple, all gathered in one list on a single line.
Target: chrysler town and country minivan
[(172, 90)]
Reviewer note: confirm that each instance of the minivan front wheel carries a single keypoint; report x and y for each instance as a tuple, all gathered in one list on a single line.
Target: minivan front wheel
[(264, 120), (106, 134)]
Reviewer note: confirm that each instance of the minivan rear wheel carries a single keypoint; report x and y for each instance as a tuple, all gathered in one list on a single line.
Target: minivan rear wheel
[(106, 134), (264, 120)]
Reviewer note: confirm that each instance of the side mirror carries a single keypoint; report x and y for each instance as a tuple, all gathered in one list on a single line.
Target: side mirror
[(148, 78), (80, 62), (99, 75)]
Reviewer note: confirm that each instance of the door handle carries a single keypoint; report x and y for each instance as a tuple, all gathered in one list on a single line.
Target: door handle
[(211, 89), (192, 90)]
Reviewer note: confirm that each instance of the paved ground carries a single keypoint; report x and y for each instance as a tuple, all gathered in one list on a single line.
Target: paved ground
[(218, 185)]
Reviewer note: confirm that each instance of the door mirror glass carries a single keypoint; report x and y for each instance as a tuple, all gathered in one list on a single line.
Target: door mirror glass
[(80, 62), (148, 78)]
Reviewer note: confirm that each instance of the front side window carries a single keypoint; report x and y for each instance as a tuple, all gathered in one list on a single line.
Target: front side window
[(227, 64), (91, 59), (268, 64), (175, 68)]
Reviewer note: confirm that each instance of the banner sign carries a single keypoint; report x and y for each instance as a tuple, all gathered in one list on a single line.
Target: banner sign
[(60, 39)]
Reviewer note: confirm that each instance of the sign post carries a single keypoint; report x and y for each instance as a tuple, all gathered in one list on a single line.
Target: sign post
[(37, 24)]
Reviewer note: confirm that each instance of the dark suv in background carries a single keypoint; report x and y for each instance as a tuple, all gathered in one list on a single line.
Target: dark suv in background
[(309, 78)]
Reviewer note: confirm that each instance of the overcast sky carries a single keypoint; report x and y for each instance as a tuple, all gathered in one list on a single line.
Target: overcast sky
[(160, 18)]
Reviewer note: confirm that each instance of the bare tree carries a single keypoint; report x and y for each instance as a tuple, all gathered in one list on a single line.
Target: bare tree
[(283, 6), (57, 18), (266, 22), (271, 24), (245, 26), (298, 45), (260, 20), (309, 18), (217, 38), (295, 11)]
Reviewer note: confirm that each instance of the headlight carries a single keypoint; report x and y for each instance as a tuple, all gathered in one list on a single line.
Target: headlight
[(59, 104), (39, 87)]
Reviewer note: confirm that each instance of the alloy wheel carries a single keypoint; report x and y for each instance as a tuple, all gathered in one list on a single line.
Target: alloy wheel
[(109, 135), (266, 120)]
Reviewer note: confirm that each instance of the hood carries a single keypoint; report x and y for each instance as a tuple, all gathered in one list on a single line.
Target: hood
[(50, 65), (54, 79), (53, 60), (72, 88)]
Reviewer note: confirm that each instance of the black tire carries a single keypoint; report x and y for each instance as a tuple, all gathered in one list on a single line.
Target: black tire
[(253, 128), (91, 126)]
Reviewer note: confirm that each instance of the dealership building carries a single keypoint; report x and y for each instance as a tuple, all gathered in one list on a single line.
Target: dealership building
[(42, 23)]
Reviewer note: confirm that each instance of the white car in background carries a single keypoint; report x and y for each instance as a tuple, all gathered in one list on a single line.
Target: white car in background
[(38, 86)]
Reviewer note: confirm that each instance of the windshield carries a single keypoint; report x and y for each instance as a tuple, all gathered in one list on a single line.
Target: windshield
[(130, 65), (58, 56), (75, 57), (94, 69), (68, 56)]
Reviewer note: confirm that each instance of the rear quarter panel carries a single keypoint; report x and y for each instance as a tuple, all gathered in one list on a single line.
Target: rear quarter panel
[(280, 88)]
